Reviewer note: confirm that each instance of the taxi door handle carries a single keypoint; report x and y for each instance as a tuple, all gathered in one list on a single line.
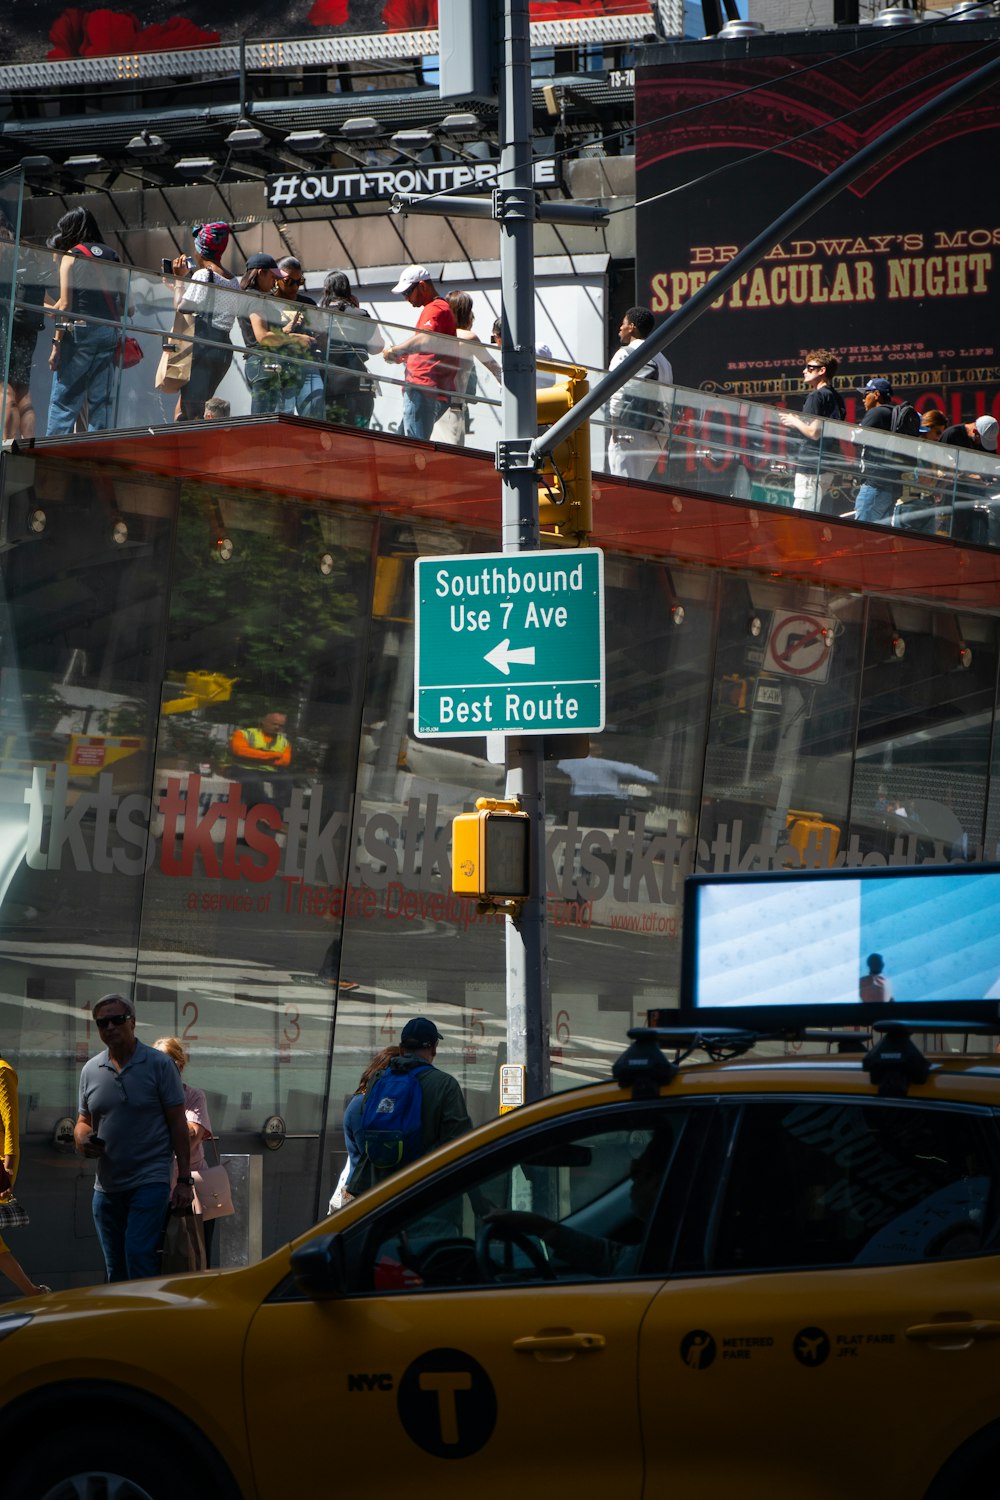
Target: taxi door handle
[(558, 1343), (964, 1329)]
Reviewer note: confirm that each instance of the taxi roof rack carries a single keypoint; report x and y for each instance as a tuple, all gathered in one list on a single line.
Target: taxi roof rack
[(896, 1061), (645, 1069)]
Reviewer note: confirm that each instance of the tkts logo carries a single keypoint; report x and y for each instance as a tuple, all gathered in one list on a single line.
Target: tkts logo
[(227, 840)]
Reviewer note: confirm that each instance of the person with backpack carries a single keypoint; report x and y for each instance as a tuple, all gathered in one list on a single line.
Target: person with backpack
[(409, 1108), (882, 483), (822, 404), (638, 419)]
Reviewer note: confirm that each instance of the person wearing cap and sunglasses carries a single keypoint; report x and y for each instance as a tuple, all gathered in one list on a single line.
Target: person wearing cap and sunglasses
[(881, 482), (428, 390), (444, 1116), (132, 1122)]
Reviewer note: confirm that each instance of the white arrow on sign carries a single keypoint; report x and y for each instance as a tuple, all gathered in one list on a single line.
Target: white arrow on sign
[(501, 656)]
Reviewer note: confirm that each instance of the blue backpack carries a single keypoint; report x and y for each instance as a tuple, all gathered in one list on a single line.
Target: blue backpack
[(391, 1125)]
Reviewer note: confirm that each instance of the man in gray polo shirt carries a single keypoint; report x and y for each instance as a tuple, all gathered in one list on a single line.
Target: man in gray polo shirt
[(132, 1120)]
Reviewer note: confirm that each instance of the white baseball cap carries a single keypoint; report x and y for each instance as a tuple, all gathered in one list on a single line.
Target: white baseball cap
[(409, 279), (988, 427)]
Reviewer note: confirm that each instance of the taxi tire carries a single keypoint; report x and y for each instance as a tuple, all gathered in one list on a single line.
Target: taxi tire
[(972, 1471), (146, 1457)]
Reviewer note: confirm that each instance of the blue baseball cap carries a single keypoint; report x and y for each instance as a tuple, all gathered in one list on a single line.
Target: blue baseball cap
[(419, 1033)]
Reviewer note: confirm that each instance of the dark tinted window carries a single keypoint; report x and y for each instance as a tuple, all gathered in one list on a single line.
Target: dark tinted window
[(827, 1182)]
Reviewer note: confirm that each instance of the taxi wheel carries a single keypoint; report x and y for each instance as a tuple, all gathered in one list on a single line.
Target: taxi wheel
[(94, 1462)]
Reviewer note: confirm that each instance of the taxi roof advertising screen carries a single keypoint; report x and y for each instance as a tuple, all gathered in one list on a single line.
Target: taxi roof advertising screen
[(842, 947)]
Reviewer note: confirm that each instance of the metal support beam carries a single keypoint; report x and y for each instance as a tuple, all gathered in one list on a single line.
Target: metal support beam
[(517, 206)]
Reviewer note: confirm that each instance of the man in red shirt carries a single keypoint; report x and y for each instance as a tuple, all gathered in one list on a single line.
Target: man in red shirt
[(430, 367)]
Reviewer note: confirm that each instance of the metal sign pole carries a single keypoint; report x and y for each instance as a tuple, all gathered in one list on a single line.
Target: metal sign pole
[(515, 208)]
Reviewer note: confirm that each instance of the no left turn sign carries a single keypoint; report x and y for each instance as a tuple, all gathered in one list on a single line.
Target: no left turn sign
[(800, 646)]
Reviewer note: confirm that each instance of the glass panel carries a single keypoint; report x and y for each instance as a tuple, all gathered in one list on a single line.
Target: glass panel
[(853, 1184), (565, 1205), (253, 790), (924, 734), (778, 767), (12, 332), (85, 570)]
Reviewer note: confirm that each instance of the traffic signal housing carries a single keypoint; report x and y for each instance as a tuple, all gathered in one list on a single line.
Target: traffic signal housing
[(490, 853), (564, 499)]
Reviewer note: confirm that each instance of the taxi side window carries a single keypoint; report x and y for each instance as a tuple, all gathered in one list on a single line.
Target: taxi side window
[(562, 1205), (830, 1182)]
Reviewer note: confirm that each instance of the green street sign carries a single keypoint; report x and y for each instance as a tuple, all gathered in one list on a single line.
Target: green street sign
[(509, 641)]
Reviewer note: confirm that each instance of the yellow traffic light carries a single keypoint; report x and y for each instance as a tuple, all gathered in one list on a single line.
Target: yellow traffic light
[(490, 852), (564, 504)]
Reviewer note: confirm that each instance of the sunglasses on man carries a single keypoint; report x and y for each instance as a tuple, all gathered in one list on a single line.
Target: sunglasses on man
[(118, 1020)]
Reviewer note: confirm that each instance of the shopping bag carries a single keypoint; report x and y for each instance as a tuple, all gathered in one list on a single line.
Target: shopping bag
[(183, 1244), (213, 1193), (12, 1215), (174, 369)]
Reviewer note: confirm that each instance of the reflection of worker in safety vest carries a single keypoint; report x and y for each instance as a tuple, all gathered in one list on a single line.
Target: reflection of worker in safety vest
[(263, 755)]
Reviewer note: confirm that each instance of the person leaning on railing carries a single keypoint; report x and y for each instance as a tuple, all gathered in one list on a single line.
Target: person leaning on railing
[(262, 371), (82, 355), (351, 338)]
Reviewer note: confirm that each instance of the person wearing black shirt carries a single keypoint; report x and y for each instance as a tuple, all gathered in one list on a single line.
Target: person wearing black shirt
[(971, 520), (880, 486), (83, 351), (821, 404)]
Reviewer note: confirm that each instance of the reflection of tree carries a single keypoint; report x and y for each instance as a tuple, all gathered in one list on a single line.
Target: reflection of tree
[(268, 615)]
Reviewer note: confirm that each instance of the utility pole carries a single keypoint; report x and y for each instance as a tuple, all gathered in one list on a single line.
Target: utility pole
[(515, 208)]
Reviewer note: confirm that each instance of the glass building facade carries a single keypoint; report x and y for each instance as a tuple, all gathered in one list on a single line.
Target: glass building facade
[(285, 926)]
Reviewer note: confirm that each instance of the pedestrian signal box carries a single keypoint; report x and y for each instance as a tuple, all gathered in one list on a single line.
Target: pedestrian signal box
[(490, 852), (564, 501)]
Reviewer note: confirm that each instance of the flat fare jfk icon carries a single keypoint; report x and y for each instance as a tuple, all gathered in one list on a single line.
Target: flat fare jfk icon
[(510, 642)]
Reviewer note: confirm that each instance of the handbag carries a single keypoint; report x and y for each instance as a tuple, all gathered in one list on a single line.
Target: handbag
[(128, 352), (12, 1215), (183, 1244), (174, 368), (5, 1180), (213, 1192)]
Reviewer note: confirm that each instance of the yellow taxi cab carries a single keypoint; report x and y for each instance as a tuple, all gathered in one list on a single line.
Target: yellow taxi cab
[(752, 1276)]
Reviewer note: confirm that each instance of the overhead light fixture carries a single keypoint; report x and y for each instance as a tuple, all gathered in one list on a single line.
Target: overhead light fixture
[(461, 124), (119, 532), (86, 166), (37, 520), (326, 564), (38, 166), (964, 656), (755, 626), (246, 137), (898, 647), (146, 147), (359, 127), (412, 140), (308, 142), (223, 549), (194, 167), (895, 15), (677, 613)]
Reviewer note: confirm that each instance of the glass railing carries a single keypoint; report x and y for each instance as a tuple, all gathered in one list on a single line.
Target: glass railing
[(213, 353)]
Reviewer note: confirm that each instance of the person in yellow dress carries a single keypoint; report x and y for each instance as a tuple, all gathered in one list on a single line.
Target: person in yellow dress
[(9, 1145)]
